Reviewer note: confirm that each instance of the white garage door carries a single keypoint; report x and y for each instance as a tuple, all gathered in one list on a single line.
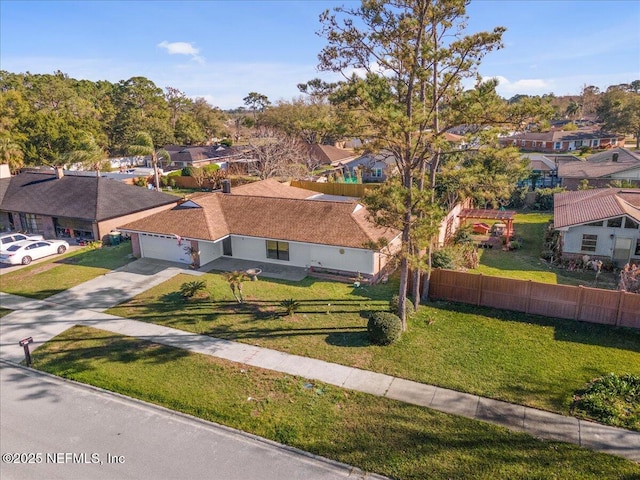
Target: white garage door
[(164, 248)]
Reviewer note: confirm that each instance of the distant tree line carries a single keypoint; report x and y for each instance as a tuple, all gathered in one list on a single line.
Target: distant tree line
[(44, 117)]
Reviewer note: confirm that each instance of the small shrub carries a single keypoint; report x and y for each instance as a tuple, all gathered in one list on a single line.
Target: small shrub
[(190, 289), (290, 305), (515, 245), (394, 308), (463, 234), (95, 245), (384, 328), (186, 171), (612, 400), (443, 259), (140, 181)]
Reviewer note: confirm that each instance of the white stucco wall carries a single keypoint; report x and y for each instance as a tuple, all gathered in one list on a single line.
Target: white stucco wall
[(209, 251), (306, 255), (572, 239)]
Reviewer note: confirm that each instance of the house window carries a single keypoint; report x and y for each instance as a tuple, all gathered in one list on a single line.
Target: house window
[(637, 252), (630, 223), (595, 224), (589, 243), (578, 143), (595, 142), (29, 222), (615, 222), (558, 146), (277, 250), (376, 172)]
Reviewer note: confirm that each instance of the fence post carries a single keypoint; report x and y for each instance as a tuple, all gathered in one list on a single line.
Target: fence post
[(620, 305), (479, 290), (526, 307), (576, 316)]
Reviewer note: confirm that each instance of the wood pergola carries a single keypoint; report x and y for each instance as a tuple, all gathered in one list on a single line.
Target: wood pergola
[(505, 216)]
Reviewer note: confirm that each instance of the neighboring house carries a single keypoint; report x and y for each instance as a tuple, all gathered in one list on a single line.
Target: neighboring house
[(198, 156), (328, 154), (267, 222), (373, 167), (544, 171), (59, 205), (600, 169), (601, 223), (563, 141)]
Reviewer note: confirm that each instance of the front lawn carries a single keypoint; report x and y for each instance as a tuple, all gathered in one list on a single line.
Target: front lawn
[(375, 434), (529, 360), (60, 273)]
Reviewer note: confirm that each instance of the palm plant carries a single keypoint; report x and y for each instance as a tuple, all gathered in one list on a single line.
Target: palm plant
[(235, 280), (143, 145), (89, 154), (290, 305)]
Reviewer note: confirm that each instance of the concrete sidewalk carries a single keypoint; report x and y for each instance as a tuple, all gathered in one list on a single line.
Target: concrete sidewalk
[(50, 319)]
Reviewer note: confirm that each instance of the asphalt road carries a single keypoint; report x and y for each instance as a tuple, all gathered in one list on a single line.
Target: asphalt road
[(72, 431)]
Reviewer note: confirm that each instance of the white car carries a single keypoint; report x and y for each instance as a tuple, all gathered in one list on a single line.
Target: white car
[(26, 251), (7, 239)]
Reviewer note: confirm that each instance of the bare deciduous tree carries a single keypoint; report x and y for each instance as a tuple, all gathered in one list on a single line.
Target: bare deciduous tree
[(281, 155)]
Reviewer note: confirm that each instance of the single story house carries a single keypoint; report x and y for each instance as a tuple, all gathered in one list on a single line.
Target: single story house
[(267, 222), (601, 223), (199, 156), (600, 169), (328, 154), (544, 171), (60, 204), (563, 141), (373, 167)]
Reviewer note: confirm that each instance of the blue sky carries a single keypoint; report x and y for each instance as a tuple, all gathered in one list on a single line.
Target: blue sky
[(222, 50)]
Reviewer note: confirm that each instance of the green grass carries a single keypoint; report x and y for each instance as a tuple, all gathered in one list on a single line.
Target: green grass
[(529, 360), (525, 263), (60, 273), (372, 433)]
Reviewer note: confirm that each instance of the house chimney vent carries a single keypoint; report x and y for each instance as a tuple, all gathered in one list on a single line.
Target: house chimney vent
[(59, 172), (226, 186), (615, 157)]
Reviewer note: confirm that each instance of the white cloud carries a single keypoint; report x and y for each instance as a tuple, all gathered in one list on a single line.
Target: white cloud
[(529, 86), (182, 48)]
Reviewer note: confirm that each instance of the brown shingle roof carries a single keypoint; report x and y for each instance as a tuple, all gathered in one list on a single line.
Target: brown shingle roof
[(271, 188), (585, 206), (292, 219), (327, 154)]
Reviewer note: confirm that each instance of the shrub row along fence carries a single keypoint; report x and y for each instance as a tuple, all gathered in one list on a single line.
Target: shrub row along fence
[(595, 305), (344, 189)]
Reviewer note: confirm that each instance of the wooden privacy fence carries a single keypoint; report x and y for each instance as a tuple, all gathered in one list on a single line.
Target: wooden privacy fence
[(344, 189), (595, 305)]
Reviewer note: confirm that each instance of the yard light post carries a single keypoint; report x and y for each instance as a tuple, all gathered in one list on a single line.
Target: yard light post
[(25, 344)]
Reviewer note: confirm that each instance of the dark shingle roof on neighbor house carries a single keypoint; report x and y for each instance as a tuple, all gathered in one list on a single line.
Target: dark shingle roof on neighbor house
[(213, 216), (89, 198), (601, 164), (586, 206)]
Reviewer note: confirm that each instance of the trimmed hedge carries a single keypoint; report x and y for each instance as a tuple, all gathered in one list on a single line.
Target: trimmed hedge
[(384, 328)]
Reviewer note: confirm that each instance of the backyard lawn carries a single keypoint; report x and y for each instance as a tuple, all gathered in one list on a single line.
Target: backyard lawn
[(529, 360), (372, 433), (60, 273), (525, 263)]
